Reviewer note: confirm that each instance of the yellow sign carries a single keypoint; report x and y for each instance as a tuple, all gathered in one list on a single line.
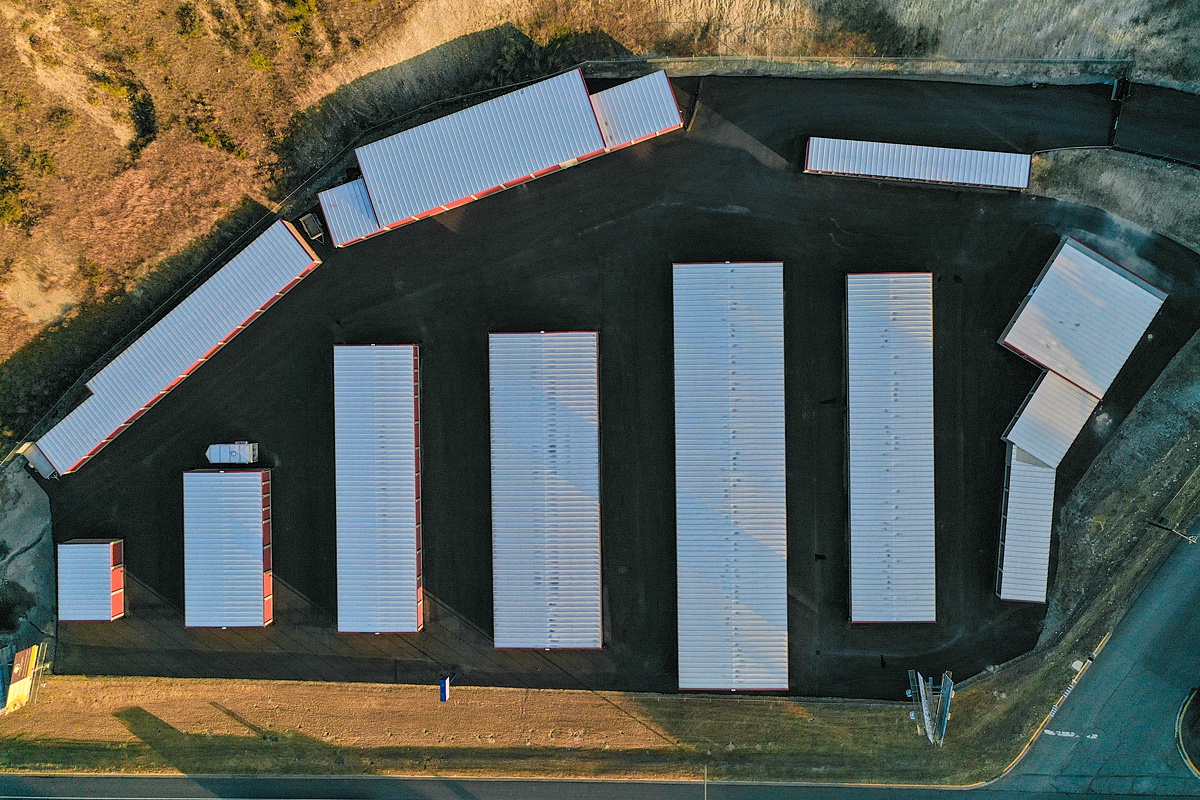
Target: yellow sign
[(24, 673)]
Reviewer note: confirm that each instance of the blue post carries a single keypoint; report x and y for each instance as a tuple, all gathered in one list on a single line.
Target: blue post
[(444, 687)]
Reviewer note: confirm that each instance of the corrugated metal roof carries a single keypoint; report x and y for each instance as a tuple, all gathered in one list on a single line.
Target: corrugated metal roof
[(178, 343), (85, 580), (1051, 419), (348, 213), (918, 163), (1026, 526), (730, 471), (890, 368), (223, 566), (460, 156), (545, 431), (378, 547), (637, 110), (1083, 318)]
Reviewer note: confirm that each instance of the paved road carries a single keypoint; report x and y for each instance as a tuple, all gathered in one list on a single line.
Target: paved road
[(1128, 700)]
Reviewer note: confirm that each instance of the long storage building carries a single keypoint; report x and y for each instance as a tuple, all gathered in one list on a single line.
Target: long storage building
[(910, 162), (377, 445), (91, 580), (480, 150), (545, 437), (893, 567), (227, 576), (190, 334), (730, 477)]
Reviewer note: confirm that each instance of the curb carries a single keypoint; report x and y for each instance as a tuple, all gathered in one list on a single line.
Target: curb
[(1179, 733)]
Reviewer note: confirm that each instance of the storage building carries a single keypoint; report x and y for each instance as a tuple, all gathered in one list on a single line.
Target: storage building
[(909, 162), (1051, 419), (495, 145), (637, 110), (227, 579), (190, 334), (730, 474), (1083, 317), (91, 580), (1025, 527), (349, 213), (377, 444), (890, 367), (545, 434)]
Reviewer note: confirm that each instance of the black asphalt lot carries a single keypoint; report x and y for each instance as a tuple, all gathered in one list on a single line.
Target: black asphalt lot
[(591, 249)]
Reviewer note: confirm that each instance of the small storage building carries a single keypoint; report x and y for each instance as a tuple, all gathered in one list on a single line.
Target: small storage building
[(730, 476), (227, 577), (349, 213), (893, 574), (91, 580), (1025, 528), (377, 446), (545, 436), (909, 162), (190, 334), (637, 110), (1051, 419), (480, 150)]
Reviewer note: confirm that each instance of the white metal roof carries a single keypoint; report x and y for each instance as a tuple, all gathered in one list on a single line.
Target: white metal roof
[(375, 418), (1025, 528), (178, 343), (1083, 318), (918, 163), (85, 580), (545, 431), (348, 212), (1051, 419), (730, 471), (223, 548), (462, 155), (890, 368), (637, 110)]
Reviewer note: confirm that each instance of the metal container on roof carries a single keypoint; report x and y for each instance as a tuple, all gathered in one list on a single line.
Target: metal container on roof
[(890, 367), (545, 437), (378, 476), (730, 472)]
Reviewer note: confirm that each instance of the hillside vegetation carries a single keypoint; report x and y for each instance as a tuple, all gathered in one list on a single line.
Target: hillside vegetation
[(130, 128)]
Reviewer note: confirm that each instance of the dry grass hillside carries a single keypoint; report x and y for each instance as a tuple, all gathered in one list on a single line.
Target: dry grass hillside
[(129, 129)]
